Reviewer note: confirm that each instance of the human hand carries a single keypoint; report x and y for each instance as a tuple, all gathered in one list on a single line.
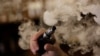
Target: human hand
[(51, 50)]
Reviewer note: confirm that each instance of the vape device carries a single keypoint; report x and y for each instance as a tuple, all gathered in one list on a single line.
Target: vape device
[(45, 38)]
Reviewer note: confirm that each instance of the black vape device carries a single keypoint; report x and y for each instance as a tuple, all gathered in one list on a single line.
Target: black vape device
[(45, 38)]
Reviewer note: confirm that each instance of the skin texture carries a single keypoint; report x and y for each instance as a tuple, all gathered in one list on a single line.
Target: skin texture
[(51, 50)]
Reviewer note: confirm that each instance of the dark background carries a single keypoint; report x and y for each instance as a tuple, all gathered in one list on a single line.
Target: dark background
[(9, 41)]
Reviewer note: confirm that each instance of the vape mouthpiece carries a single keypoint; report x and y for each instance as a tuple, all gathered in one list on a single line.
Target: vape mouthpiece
[(53, 28)]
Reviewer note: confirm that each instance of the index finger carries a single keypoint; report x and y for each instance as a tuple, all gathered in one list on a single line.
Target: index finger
[(36, 36), (33, 41)]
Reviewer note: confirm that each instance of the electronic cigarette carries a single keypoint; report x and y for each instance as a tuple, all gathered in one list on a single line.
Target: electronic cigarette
[(45, 38)]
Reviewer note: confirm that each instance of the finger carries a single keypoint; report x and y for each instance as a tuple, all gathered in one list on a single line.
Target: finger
[(33, 41), (45, 54), (36, 36), (34, 47), (49, 47), (51, 50)]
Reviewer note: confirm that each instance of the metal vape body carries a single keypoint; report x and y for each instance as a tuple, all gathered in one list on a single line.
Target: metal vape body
[(45, 38)]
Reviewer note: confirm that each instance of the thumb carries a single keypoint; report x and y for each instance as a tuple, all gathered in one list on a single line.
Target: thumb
[(55, 49), (49, 47)]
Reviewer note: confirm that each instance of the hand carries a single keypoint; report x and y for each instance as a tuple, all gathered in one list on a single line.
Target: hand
[(51, 50)]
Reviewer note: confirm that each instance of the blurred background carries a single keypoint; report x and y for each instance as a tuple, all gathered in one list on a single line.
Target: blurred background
[(12, 14), (9, 40)]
